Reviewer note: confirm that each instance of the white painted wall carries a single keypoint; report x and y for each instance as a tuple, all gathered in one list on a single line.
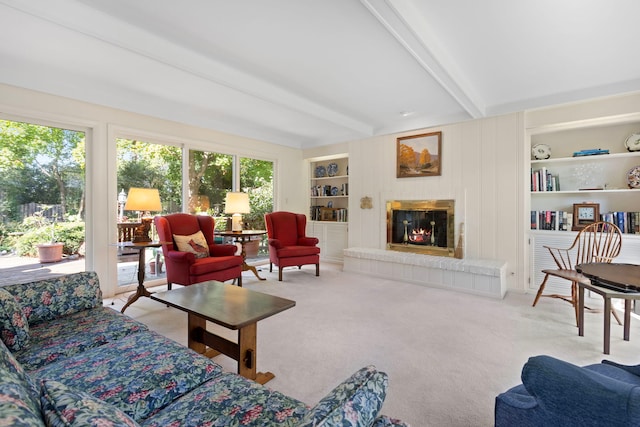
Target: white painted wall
[(103, 124)]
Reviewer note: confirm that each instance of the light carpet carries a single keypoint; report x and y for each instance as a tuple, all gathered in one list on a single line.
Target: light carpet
[(447, 354)]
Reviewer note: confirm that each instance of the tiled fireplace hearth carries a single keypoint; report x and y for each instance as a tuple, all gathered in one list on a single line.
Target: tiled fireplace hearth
[(420, 248), (474, 276)]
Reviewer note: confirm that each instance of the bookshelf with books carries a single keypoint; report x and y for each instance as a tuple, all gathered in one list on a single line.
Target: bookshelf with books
[(329, 189), (329, 205), (588, 163)]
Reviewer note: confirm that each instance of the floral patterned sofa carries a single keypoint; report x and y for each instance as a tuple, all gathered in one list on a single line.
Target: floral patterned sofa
[(65, 359)]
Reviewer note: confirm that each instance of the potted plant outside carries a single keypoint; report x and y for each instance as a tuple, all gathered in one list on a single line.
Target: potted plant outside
[(52, 251)]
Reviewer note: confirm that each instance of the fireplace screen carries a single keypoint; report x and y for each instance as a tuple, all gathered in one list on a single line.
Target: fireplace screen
[(422, 226)]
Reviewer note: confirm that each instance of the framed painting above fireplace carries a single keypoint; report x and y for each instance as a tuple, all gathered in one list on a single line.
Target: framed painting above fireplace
[(419, 155)]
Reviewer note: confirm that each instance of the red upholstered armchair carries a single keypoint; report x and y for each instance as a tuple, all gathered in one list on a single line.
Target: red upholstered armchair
[(191, 255), (288, 243)]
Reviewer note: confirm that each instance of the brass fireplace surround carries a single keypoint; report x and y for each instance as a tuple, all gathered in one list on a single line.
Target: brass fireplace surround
[(404, 217)]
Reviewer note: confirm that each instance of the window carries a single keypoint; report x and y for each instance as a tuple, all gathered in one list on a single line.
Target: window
[(145, 165), (256, 179), (210, 175), (210, 178), (42, 190)]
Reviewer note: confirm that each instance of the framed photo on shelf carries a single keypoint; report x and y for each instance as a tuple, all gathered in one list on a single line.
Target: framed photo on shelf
[(585, 214), (327, 214), (419, 155)]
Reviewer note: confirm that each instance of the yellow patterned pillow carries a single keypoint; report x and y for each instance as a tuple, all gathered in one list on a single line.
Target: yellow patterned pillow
[(194, 243)]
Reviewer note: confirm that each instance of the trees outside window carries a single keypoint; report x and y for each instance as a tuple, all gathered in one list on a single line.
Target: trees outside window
[(42, 182), (210, 178), (147, 165), (256, 179)]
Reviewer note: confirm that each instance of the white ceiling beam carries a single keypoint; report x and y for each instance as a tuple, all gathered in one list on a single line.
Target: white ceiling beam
[(408, 27)]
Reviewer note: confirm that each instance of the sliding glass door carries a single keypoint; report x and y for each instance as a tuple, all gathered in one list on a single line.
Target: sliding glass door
[(145, 165), (42, 200)]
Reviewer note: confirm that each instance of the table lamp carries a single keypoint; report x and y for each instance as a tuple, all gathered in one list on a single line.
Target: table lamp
[(143, 200), (236, 203)]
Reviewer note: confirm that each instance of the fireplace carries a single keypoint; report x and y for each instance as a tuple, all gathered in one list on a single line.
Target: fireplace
[(421, 226)]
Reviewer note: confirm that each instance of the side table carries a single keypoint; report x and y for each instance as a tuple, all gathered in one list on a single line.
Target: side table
[(141, 291), (243, 237), (609, 280)]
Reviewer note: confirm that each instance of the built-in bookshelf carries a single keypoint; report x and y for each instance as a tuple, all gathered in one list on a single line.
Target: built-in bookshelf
[(329, 205), (329, 190), (570, 177)]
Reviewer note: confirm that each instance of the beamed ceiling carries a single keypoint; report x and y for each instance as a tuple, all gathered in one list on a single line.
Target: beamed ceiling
[(305, 73)]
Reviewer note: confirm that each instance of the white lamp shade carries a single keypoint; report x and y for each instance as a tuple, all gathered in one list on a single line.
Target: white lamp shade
[(143, 199), (236, 202)]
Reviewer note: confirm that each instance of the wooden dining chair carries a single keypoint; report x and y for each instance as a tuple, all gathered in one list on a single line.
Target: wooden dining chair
[(598, 242)]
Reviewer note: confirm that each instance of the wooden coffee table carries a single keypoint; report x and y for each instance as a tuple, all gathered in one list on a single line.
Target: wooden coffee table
[(231, 307)]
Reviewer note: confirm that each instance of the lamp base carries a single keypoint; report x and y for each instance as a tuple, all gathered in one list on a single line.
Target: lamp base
[(141, 233), (236, 222)]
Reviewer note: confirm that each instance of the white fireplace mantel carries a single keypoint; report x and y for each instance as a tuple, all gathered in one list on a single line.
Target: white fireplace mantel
[(474, 276)]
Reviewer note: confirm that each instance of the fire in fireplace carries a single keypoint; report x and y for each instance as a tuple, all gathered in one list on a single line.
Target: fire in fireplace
[(422, 226)]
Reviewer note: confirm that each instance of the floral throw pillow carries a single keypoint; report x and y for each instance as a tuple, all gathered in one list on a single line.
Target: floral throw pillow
[(194, 243), (14, 327), (64, 406), (354, 403)]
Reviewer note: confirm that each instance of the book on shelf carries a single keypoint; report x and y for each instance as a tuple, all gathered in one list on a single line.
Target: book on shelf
[(551, 220), (543, 180), (590, 152), (323, 213), (627, 222)]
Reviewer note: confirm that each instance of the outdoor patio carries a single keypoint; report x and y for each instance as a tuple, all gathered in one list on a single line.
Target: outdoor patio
[(15, 269)]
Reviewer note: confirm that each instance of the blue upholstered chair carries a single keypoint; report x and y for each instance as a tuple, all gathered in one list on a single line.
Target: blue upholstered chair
[(557, 393)]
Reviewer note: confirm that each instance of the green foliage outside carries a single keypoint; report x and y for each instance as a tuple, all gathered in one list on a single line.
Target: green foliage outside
[(71, 234), (145, 165), (46, 166), (256, 179), (40, 164)]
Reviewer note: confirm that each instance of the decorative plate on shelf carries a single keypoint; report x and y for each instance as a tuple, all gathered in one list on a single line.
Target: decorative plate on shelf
[(334, 191), (320, 172), (541, 151), (332, 169), (633, 177), (633, 142)]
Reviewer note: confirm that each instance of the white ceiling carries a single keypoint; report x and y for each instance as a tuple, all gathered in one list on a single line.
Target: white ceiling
[(305, 73)]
